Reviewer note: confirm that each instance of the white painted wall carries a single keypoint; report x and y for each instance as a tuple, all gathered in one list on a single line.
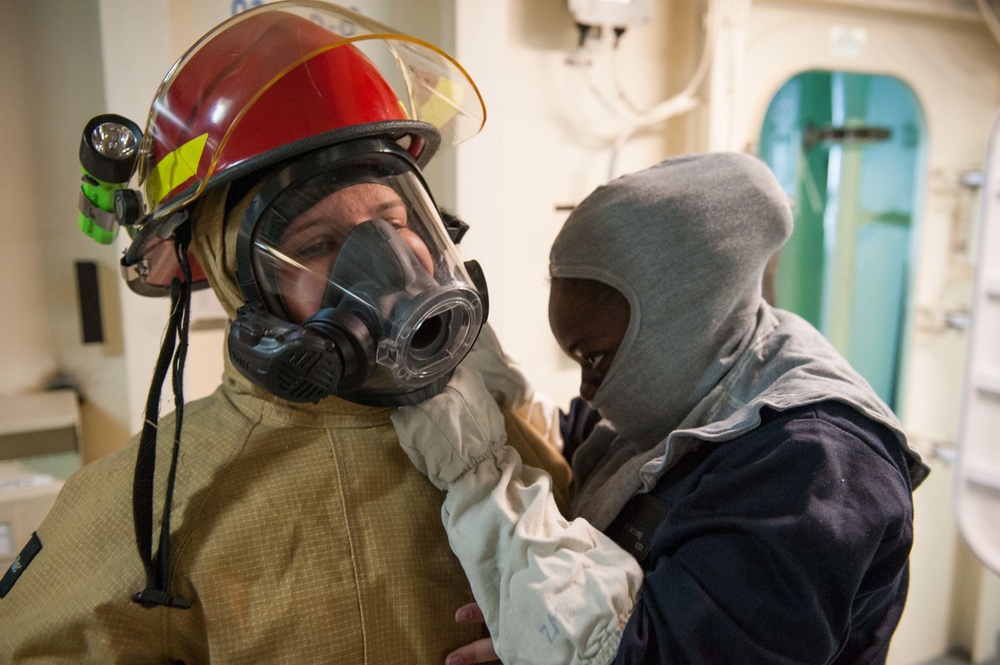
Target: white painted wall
[(51, 85), (26, 349)]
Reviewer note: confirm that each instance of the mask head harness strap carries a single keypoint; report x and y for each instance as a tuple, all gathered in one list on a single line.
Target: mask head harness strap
[(173, 352)]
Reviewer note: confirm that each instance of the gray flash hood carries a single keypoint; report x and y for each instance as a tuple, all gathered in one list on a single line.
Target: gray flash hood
[(686, 242)]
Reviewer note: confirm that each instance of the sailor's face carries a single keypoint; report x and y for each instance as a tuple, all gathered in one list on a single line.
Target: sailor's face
[(314, 238), (588, 320)]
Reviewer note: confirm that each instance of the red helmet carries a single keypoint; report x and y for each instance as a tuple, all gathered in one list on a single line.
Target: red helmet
[(273, 83)]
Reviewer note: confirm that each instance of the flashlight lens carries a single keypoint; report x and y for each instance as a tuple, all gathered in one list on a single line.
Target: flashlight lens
[(113, 140)]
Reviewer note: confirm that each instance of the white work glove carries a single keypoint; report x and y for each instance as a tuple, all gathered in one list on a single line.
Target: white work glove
[(501, 373), (450, 433), (551, 591), (506, 381)]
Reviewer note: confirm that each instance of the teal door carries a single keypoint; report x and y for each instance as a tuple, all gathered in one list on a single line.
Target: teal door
[(848, 149)]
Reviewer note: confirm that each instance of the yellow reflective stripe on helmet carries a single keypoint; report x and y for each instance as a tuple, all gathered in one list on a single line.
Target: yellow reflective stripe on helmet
[(175, 169), (443, 104)]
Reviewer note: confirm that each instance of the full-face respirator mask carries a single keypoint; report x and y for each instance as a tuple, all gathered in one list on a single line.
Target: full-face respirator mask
[(353, 286)]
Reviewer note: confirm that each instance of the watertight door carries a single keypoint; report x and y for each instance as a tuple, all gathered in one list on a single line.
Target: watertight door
[(977, 479)]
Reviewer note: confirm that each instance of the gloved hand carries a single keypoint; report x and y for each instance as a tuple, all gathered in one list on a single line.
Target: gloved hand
[(452, 432), (551, 592), (510, 387), (501, 373)]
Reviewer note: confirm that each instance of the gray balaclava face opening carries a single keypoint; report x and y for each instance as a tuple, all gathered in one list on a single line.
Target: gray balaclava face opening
[(686, 242)]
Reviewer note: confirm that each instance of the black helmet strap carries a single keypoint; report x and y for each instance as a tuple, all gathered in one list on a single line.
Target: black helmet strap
[(173, 352)]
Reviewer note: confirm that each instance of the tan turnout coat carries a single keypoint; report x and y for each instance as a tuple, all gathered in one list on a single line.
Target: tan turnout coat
[(301, 534)]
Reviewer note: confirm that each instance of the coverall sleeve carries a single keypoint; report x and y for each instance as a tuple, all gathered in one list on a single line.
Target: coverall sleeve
[(73, 601), (787, 553), (551, 591)]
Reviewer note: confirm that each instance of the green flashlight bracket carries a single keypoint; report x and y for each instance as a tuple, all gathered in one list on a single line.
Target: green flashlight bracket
[(97, 218), (108, 152)]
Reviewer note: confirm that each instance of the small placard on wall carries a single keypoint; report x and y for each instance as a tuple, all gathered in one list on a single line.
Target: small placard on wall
[(848, 42)]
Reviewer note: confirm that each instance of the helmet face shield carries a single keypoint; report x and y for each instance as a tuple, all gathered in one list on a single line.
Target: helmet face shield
[(359, 237)]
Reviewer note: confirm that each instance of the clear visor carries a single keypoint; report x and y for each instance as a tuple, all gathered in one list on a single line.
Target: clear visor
[(365, 242), (431, 87)]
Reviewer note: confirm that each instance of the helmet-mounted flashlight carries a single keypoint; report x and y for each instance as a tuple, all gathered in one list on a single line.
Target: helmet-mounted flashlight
[(109, 148)]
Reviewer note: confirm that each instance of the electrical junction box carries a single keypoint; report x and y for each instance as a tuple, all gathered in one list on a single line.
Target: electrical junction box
[(612, 13), (39, 449)]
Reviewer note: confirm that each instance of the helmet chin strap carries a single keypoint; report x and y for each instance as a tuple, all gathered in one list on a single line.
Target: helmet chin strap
[(157, 568)]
